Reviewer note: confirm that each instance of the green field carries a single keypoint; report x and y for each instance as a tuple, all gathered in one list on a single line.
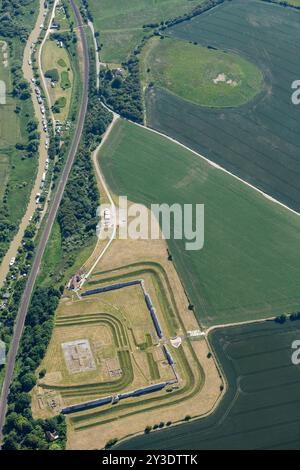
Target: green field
[(261, 407), (207, 77), (59, 59), (260, 140), (249, 265), (120, 22)]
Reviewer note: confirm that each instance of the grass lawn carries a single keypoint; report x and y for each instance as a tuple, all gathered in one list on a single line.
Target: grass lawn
[(204, 76), (55, 57), (9, 123), (120, 22), (295, 3), (65, 81), (249, 266), (260, 140), (61, 63), (57, 266)]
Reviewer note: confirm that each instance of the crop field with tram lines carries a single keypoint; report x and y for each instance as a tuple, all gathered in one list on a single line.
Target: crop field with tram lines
[(260, 140)]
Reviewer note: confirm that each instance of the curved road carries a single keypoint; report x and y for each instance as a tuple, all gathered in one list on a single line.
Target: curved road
[(20, 320)]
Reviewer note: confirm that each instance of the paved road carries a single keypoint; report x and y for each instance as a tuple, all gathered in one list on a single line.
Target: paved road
[(20, 320)]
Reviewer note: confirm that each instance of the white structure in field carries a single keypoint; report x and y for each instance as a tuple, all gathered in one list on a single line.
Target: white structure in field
[(2, 92)]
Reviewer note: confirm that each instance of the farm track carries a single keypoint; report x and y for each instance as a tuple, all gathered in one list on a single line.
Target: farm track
[(175, 141)]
